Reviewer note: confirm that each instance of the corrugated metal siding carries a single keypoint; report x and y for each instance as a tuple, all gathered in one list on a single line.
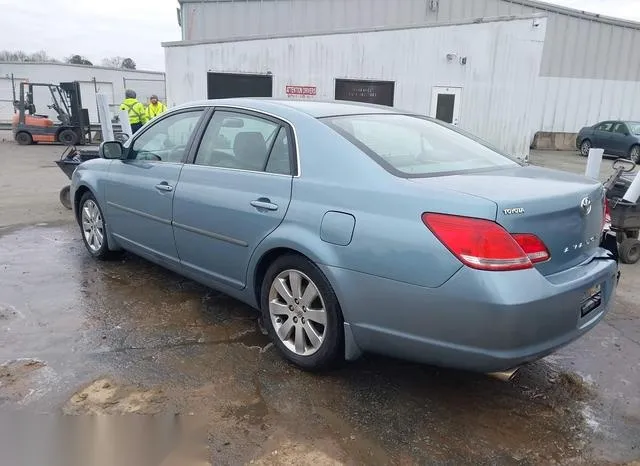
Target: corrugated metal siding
[(498, 82), (576, 47), (571, 103)]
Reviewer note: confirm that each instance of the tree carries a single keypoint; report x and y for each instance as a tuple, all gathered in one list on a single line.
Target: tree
[(78, 60), (119, 62), (129, 64), (23, 57), (113, 62)]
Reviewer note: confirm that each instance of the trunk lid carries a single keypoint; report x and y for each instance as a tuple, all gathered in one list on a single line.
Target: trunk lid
[(564, 210)]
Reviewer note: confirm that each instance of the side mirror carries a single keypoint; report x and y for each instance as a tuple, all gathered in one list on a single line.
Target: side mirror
[(111, 150)]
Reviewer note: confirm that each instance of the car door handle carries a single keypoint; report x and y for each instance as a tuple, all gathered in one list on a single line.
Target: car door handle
[(164, 187), (263, 203)]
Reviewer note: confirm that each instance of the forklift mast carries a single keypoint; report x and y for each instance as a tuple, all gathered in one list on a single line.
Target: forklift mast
[(72, 89), (25, 103)]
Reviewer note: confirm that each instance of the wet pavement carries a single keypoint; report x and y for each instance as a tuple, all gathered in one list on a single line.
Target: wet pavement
[(83, 337)]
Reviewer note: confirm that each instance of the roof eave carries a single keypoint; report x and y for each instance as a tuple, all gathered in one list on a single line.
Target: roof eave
[(496, 19), (542, 5)]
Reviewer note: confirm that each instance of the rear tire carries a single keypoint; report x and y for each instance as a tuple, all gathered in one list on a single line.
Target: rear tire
[(68, 137), (24, 139), (634, 154), (301, 313), (629, 251)]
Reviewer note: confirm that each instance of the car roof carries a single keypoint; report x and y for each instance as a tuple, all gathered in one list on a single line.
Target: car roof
[(314, 108)]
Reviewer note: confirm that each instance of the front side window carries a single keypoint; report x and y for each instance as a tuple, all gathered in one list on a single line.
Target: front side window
[(245, 142), (166, 140), (413, 146), (606, 126)]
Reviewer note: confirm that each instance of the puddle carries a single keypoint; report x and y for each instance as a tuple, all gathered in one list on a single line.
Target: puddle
[(252, 338), (127, 337), (24, 380), (13, 371)]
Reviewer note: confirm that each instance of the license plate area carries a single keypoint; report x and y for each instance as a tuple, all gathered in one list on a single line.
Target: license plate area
[(592, 300)]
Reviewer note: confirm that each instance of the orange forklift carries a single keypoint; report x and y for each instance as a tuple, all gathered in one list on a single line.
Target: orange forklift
[(72, 127)]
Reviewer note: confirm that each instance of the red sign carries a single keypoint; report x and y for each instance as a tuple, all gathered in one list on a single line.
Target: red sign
[(301, 91)]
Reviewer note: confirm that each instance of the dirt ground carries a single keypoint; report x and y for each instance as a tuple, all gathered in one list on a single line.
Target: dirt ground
[(79, 338)]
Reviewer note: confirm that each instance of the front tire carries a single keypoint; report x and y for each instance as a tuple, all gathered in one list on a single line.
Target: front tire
[(93, 227), (301, 313), (68, 137), (585, 146)]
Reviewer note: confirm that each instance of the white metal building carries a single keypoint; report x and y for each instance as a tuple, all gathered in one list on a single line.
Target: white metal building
[(481, 75), (93, 79), (590, 68)]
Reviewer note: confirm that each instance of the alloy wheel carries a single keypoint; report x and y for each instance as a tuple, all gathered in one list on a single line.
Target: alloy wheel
[(92, 225), (584, 148), (297, 312), (635, 154)]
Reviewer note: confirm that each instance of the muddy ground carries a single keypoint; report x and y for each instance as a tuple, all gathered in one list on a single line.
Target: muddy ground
[(79, 337)]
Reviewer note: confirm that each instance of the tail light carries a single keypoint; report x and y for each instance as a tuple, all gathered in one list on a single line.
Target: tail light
[(606, 218), (532, 246), (485, 245)]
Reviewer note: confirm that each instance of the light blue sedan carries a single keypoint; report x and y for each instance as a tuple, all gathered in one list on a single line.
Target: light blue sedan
[(356, 228)]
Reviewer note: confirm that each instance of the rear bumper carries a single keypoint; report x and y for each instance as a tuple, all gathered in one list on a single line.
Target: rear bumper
[(481, 321)]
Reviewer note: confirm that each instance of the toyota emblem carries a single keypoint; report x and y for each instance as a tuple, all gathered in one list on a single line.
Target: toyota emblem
[(585, 205)]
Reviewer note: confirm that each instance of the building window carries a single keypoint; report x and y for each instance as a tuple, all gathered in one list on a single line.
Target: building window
[(228, 85), (372, 92)]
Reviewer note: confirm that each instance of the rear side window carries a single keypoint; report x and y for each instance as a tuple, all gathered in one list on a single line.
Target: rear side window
[(245, 142), (412, 146), (620, 128), (634, 128)]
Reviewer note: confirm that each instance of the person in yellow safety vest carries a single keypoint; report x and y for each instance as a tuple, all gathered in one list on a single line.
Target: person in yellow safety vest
[(155, 108), (136, 111)]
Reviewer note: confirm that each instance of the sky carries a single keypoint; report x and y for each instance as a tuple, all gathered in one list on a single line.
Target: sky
[(135, 28)]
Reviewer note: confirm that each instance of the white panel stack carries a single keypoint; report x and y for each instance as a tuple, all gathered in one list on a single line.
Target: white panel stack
[(123, 117), (633, 193), (594, 161), (102, 101)]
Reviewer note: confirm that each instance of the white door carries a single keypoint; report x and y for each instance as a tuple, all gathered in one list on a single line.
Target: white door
[(445, 104)]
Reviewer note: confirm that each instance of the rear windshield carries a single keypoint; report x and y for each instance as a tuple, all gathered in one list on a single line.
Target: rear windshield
[(412, 146)]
